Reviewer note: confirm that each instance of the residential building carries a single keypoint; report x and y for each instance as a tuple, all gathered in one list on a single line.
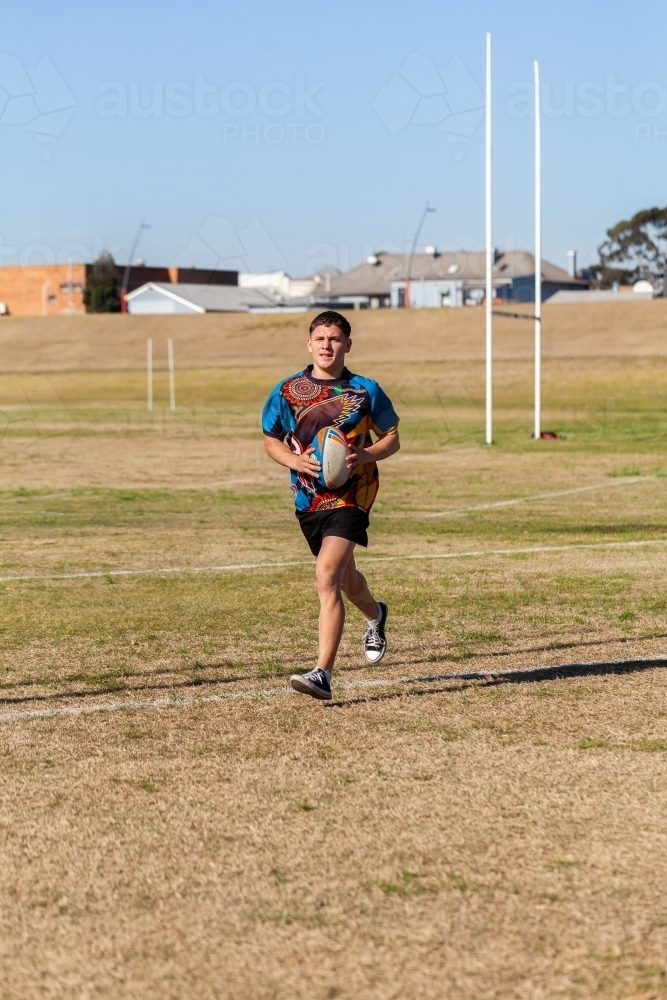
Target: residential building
[(427, 294), (280, 284), (443, 279)]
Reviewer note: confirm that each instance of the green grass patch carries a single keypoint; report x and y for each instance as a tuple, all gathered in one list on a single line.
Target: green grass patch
[(594, 743), (649, 745)]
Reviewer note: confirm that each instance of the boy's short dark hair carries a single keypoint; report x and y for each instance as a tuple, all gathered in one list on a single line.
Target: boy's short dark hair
[(331, 318)]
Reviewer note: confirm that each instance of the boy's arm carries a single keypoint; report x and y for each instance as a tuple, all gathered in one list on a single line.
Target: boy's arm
[(304, 464), (388, 444)]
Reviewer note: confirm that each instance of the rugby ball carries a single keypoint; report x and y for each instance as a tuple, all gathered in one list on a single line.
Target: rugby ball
[(331, 451)]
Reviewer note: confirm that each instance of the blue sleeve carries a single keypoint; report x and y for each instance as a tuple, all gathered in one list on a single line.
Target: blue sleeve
[(272, 418), (383, 415)]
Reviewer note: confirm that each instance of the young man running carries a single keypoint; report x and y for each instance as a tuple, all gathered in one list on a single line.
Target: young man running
[(326, 394)]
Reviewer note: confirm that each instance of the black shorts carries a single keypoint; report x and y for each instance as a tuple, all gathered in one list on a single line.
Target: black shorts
[(343, 522)]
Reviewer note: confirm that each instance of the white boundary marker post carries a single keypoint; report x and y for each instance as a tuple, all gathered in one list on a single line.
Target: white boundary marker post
[(538, 256), (172, 387), (489, 250), (149, 374)]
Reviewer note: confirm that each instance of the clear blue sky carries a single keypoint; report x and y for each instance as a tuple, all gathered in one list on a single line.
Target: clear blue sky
[(318, 174)]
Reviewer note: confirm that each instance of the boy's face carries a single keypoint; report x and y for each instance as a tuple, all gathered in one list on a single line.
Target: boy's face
[(329, 345)]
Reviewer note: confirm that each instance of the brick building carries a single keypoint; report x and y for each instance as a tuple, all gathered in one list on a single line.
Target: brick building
[(57, 289)]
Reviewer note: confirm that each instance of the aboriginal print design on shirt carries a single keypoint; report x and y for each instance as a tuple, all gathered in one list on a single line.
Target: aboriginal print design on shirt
[(302, 405)]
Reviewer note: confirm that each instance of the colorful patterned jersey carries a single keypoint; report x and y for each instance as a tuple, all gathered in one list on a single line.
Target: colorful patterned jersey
[(302, 405)]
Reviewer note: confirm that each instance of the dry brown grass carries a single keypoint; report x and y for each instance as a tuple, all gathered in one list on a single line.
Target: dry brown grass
[(485, 842), (105, 343), (175, 824)]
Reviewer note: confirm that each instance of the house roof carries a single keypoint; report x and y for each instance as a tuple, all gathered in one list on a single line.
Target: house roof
[(466, 266), (208, 298), (598, 295)]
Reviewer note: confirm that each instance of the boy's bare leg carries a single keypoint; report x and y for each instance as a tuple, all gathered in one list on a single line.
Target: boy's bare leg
[(335, 572), (331, 562), (356, 590)]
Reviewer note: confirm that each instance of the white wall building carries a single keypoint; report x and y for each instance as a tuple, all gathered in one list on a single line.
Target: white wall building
[(426, 294), (280, 284)]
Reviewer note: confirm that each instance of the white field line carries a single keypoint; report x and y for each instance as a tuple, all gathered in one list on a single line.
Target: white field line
[(364, 560), (230, 568), (529, 499), (175, 701)]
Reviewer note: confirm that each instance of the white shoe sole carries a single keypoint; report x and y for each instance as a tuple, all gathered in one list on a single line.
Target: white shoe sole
[(305, 687)]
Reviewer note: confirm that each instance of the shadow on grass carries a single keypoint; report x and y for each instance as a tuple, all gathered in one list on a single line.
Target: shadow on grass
[(412, 686), (457, 654), (110, 676), (458, 682), (121, 688), (554, 646)]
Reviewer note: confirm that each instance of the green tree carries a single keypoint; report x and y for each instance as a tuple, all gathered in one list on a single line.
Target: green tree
[(101, 291), (635, 248)]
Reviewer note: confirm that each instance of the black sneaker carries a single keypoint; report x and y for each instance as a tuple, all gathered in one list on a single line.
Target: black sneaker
[(315, 683), (375, 643)]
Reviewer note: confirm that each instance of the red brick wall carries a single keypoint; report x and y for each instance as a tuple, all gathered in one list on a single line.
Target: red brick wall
[(42, 289), (23, 291)]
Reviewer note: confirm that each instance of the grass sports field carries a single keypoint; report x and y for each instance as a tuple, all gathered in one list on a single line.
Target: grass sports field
[(482, 816)]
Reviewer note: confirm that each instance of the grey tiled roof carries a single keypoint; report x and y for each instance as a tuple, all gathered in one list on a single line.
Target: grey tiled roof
[(466, 266)]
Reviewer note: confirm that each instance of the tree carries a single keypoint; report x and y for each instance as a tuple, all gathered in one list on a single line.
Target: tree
[(101, 291), (635, 248)]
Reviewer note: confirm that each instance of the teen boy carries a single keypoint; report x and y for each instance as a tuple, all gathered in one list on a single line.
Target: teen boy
[(326, 394)]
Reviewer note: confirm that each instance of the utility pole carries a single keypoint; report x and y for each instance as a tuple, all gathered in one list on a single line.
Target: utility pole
[(126, 275)]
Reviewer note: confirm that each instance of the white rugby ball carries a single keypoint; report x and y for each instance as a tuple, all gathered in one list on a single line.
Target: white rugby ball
[(331, 451)]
